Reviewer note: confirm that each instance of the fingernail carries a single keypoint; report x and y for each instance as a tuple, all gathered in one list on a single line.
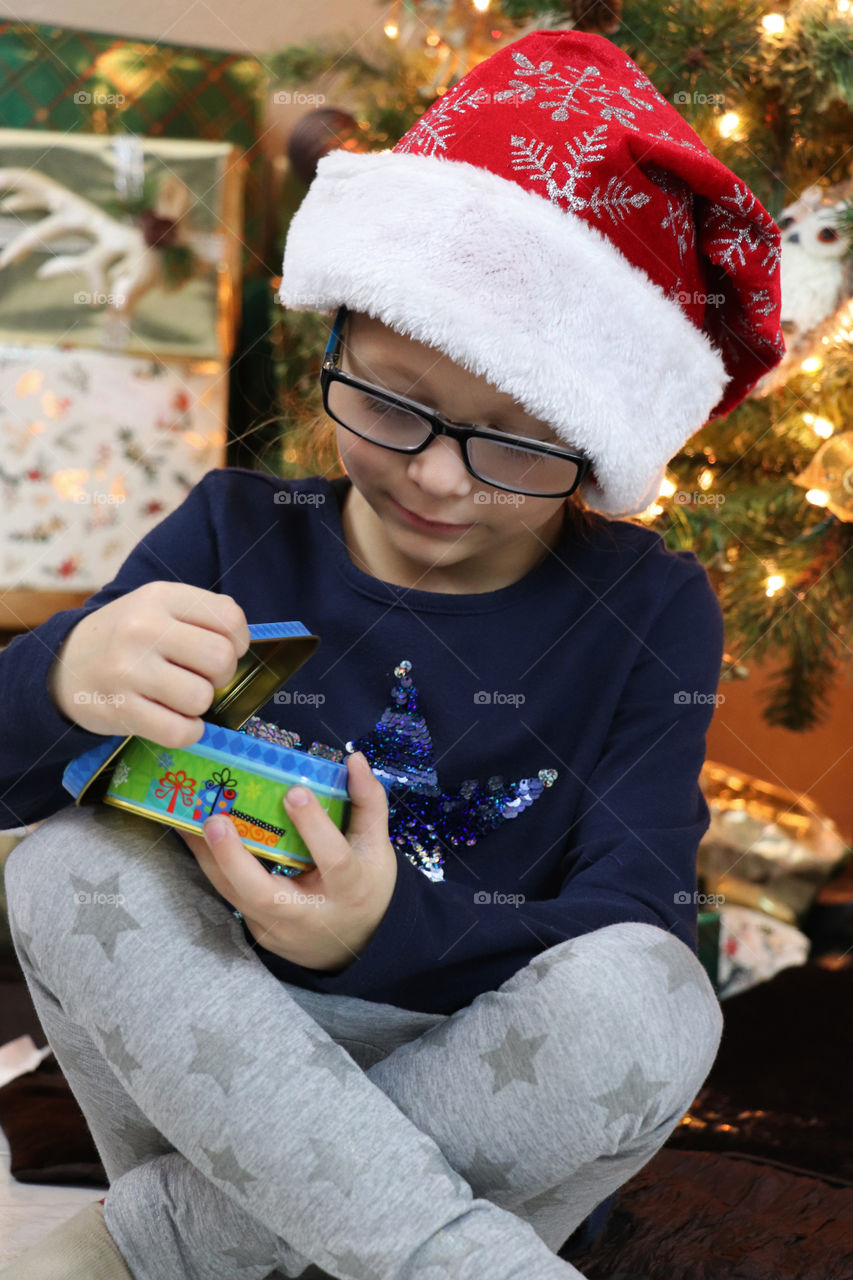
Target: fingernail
[(214, 830), (296, 797)]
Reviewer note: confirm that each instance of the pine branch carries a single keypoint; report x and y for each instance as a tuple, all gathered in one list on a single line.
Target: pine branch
[(815, 57), (798, 696)]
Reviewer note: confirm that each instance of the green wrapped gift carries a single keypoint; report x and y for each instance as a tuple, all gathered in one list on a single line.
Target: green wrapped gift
[(119, 241)]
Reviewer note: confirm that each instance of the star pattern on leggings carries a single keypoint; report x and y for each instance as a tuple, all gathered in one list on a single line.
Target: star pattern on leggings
[(553, 1198), (239, 1255), (513, 1058), (225, 1166), (437, 1166), (142, 1141), (329, 1056), (335, 1164), (245, 1257), (217, 1055), (543, 964), (100, 917), (372, 1266), (679, 969), (116, 1051), (635, 1088), (448, 1250), (217, 938), (487, 1173)]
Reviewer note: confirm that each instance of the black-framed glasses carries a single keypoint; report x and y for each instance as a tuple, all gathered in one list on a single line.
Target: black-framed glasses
[(495, 457)]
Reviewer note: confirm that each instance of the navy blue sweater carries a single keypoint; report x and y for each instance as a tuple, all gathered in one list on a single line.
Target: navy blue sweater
[(542, 743), (550, 732)]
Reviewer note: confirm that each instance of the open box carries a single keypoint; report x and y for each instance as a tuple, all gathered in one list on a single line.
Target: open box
[(225, 771)]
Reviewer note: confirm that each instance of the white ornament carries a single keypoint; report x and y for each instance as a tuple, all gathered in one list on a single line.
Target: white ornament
[(812, 250), (816, 277)]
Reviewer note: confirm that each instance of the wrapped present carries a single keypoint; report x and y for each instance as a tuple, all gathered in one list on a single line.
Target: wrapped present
[(739, 947), (68, 79), (753, 947), (767, 848), (97, 448), (120, 242)]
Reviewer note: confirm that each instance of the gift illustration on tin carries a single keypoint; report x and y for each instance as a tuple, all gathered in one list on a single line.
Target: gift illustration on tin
[(173, 787), (216, 796)]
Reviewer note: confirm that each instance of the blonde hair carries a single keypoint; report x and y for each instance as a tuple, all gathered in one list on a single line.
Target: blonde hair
[(584, 519)]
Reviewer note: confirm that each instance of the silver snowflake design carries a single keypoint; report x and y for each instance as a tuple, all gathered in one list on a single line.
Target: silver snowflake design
[(121, 773), (697, 146), (679, 220), (737, 233), (436, 126), (759, 304), (568, 94), (532, 156), (679, 208), (643, 82), (676, 292)]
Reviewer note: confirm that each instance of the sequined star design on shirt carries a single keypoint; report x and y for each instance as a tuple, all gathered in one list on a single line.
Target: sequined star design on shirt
[(423, 819)]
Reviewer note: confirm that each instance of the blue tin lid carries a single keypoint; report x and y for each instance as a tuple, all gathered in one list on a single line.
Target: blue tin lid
[(80, 771), (275, 630), (313, 770)]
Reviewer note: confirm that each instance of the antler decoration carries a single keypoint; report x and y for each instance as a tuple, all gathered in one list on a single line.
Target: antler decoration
[(120, 263)]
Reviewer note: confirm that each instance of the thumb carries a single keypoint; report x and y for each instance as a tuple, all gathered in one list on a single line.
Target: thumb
[(369, 815)]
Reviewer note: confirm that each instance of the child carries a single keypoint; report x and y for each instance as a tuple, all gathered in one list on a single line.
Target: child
[(490, 1014)]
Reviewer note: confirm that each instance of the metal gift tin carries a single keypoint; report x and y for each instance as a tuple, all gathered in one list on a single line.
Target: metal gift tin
[(225, 771)]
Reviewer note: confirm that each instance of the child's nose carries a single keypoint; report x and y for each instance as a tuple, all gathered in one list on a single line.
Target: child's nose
[(441, 467)]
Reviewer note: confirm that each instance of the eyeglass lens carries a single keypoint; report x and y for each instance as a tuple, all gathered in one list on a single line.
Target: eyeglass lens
[(389, 424)]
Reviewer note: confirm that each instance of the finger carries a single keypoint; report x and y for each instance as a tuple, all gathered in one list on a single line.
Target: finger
[(331, 853), (239, 867), (209, 867), (369, 814), (196, 843)]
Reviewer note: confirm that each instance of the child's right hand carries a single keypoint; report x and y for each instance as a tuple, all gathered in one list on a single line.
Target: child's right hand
[(149, 662)]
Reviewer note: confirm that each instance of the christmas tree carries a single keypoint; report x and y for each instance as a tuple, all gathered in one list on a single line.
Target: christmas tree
[(763, 496)]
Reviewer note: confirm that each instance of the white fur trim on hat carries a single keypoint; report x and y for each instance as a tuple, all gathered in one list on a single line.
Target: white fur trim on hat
[(518, 291)]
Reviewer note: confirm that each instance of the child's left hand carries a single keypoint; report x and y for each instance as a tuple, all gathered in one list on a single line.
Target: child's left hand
[(324, 917)]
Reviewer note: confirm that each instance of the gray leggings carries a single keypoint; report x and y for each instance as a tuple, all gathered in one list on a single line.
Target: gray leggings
[(249, 1127)]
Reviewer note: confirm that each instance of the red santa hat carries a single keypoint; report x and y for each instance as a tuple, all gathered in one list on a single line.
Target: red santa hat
[(552, 224)]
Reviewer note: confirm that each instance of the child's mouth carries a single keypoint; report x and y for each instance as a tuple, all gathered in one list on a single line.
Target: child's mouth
[(432, 526)]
